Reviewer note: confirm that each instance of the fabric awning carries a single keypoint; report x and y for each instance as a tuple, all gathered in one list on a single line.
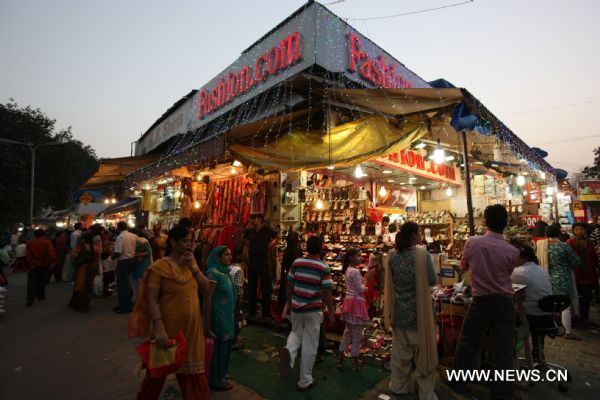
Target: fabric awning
[(352, 142), (112, 171)]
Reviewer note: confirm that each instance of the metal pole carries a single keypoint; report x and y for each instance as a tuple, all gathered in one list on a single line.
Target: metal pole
[(471, 222), (33, 149)]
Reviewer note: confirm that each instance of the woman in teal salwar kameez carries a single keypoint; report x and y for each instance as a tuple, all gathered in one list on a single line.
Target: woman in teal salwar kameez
[(222, 321)]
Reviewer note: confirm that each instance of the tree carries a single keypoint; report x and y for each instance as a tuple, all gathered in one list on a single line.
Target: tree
[(593, 171), (59, 169)]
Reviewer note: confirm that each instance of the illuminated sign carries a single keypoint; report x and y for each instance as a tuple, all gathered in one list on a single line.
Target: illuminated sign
[(414, 163), (373, 70), (240, 81)]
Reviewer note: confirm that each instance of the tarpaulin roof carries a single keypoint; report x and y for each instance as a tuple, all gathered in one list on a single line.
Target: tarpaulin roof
[(112, 171)]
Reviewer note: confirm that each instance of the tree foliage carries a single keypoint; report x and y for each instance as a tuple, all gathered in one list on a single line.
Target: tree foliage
[(593, 171), (59, 170)]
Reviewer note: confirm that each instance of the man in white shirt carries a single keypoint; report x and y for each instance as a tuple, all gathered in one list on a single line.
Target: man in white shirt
[(124, 253), (538, 285)]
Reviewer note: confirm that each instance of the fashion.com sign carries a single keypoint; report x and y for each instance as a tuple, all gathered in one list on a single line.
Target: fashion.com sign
[(241, 81), (373, 70)]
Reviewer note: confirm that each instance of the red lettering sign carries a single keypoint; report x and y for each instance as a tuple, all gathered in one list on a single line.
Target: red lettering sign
[(530, 220), (373, 70), (414, 163), (237, 83)]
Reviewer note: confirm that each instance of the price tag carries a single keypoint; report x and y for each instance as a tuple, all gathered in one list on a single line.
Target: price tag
[(531, 220)]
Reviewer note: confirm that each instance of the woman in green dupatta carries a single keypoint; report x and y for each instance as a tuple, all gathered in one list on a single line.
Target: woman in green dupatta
[(222, 322)]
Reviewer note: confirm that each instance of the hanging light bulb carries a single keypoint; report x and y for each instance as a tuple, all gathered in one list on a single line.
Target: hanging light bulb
[(106, 201), (197, 204), (520, 180), (439, 155), (319, 205), (331, 167), (449, 192), (233, 170), (549, 190), (236, 163), (358, 171), (199, 177), (113, 200), (382, 191)]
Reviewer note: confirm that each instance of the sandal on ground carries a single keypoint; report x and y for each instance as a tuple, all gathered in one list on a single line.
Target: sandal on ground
[(304, 389), (224, 387), (356, 366), (572, 336)]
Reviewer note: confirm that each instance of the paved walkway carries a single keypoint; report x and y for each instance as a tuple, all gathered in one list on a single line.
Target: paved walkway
[(49, 352)]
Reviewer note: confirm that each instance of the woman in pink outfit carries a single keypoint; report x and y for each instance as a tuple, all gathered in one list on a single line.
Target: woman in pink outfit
[(354, 309)]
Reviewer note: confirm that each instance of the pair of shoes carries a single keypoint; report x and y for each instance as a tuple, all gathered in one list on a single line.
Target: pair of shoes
[(28, 304), (304, 389), (285, 360)]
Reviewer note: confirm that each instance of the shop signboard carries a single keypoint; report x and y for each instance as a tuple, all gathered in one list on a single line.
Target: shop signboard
[(415, 163), (531, 220), (311, 36), (86, 198), (588, 190)]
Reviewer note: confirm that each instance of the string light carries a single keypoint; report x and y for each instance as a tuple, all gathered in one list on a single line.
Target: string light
[(319, 204), (106, 201), (113, 200), (197, 204)]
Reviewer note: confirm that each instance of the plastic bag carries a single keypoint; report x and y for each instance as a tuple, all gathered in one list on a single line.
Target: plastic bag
[(97, 286)]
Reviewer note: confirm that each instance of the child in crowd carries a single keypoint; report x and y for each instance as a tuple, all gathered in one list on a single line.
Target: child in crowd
[(354, 309), (236, 271)]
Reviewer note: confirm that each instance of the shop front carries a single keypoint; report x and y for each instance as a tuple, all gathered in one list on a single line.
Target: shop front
[(323, 132)]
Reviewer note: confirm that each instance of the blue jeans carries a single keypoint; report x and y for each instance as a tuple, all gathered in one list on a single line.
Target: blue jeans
[(123, 270)]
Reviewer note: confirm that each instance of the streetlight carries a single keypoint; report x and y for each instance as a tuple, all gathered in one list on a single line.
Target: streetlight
[(33, 148)]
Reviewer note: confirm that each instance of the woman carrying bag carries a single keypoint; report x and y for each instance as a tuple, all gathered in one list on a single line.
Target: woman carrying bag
[(169, 304), (408, 309)]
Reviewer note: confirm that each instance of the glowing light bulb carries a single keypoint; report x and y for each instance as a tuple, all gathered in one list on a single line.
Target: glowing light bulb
[(439, 155), (520, 180), (549, 190), (331, 167), (197, 204), (113, 200), (319, 205), (199, 177), (382, 191), (386, 171), (177, 193), (233, 170), (358, 171), (236, 163), (449, 192), (106, 201)]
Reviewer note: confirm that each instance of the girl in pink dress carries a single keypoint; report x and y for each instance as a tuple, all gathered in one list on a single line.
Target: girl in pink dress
[(354, 309)]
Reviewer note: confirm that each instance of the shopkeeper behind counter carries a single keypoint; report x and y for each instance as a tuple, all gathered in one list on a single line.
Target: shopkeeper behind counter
[(491, 261)]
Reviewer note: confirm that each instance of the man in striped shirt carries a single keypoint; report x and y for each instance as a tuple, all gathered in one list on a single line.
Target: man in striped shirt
[(309, 281)]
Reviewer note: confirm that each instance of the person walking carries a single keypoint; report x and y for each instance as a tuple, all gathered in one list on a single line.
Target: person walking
[(309, 282), (143, 253), (586, 277), (222, 321), (491, 261), (408, 310), (236, 272), (124, 253), (168, 304), (40, 257), (260, 239), (86, 262), (61, 249), (558, 259), (354, 308), (69, 269)]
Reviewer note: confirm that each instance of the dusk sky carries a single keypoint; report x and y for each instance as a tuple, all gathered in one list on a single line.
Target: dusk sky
[(109, 69)]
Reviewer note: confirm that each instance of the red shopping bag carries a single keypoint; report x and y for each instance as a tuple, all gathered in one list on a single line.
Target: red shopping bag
[(159, 361)]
